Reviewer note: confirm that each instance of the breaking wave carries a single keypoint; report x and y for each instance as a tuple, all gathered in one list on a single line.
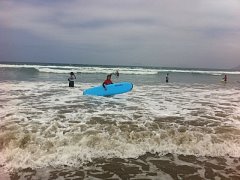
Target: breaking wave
[(44, 124), (107, 70)]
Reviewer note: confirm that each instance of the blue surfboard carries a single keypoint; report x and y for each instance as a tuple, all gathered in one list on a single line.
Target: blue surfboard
[(111, 89)]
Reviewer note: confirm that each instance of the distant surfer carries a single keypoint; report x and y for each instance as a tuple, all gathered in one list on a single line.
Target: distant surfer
[(167, 78), (71, 79), (107, 81), (224, 78)]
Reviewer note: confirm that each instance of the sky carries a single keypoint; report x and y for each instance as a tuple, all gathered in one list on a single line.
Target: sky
[(165, 33)]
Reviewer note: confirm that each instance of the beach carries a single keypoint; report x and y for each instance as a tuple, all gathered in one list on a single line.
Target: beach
[(188, 128)]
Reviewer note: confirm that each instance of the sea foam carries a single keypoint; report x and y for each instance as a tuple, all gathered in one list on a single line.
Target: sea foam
[(107, 70), (45, 124)]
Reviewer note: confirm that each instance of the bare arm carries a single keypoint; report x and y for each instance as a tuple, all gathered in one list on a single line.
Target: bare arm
[(104, 86)]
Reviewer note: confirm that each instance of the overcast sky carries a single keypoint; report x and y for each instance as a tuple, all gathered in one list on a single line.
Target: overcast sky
[(172, 33)]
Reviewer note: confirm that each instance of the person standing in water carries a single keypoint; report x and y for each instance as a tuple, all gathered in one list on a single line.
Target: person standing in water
[(225, 78), (71, 79), (167, 78), (107, 81), (117, 73)]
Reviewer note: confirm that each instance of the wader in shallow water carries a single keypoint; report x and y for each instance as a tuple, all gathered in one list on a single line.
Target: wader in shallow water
[(167, 78), (71, 83), (71, 79)]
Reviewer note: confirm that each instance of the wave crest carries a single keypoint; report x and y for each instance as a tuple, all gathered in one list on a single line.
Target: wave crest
[(107, 70)]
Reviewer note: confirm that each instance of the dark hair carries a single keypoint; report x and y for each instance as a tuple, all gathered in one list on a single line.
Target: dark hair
[(71, 73)]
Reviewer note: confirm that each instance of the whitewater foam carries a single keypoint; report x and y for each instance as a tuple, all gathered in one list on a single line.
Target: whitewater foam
[(107, 70), (45, 124)]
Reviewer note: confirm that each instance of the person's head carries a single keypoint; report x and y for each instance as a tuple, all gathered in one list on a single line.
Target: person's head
[(109, 76), (71, 73)]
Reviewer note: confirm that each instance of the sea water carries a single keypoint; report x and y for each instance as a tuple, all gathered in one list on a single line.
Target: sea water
[(188, 128)]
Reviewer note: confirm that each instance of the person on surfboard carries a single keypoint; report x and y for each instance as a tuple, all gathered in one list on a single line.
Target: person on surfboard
[(71, 79), (107, 81)]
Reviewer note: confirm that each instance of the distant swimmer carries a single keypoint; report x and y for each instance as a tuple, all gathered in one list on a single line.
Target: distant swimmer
[(71, 79), (107, 81), (224, 78), (167, 78)]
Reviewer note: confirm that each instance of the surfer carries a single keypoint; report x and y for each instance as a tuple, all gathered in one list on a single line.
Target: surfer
[(167, 78), (225, 78), (71, 79), (107, 81)]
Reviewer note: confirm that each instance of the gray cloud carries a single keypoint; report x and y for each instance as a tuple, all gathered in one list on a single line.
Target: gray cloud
[(149, 32)]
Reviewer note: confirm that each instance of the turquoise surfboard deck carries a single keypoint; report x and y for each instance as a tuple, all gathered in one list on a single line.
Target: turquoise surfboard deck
[(111, 89)]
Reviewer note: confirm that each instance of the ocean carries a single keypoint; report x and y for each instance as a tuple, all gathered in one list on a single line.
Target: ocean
[(188, 128)]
